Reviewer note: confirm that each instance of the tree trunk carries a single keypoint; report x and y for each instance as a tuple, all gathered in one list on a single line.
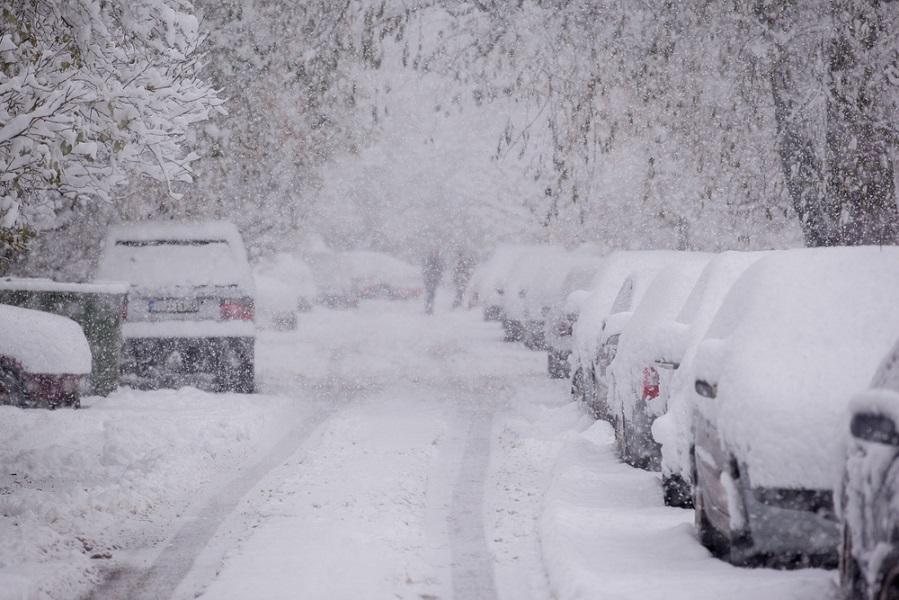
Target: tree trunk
[(859, 154)]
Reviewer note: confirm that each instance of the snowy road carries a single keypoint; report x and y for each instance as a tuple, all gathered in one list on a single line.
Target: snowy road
[(390, 455)]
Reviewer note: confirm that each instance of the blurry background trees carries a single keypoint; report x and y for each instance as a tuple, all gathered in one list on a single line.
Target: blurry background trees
[(394, 125)]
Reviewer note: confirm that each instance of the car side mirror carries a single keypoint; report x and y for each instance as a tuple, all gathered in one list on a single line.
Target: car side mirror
[(874, 427), (706, 389)]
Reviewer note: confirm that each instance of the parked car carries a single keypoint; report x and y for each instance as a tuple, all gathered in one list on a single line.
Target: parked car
[(488, 284), (527, 275), (538, 284), (191, 304), (645, 267), (869, 493), (44, 359), (796, 336), (563, 314), (284, 287), (638, 381), (376, 275), (592, 309), (675, 346)]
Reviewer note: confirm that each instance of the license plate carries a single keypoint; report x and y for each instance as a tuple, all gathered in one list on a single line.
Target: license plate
[(174, 305)]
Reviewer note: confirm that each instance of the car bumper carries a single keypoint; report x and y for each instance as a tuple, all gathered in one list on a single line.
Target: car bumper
[(188, 329)]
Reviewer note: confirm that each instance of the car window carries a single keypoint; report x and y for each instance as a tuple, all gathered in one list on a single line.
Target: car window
[(624, 298), (160, 263)]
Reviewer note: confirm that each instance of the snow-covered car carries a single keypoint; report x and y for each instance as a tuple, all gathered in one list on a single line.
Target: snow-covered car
[(869, 494), (593, 306), (488, 284), (284, 287), (537, 283), (379, 275), (563, 314), (638, 385), (633, 272), (43, 359), (675, 346), (796, 336), (191, 304)]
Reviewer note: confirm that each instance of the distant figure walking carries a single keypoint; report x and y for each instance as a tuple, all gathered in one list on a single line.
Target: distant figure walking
[(462, 271), (433, 273)]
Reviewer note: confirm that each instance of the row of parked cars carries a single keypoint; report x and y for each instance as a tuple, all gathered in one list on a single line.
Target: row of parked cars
[(190, 303), (763, 386)]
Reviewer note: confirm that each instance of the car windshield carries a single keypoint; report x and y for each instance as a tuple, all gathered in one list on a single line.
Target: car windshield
[(163, 263)]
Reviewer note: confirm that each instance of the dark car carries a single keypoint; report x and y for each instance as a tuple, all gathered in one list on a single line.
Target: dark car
[(191, 305), (43, 359), (869, 507)]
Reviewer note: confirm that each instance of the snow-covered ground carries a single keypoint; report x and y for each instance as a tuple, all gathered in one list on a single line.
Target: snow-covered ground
[(389, 455)]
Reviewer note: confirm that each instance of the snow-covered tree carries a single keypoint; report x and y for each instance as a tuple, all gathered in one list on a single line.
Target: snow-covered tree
[(93, 92)]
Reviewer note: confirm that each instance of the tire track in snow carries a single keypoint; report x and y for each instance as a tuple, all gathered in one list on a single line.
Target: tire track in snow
[(472, 566), (201, 522)]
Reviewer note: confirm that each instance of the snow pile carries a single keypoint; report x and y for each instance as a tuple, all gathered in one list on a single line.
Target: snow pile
[(76, 485), (534, 281), (159, 255), (799, 333), (605, 533), (677, 342), (42, 342)]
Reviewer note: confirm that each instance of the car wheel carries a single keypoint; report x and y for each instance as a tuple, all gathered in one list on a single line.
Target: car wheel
[(236, 370), (851, 581), (556, 365), (715, 541), (676, 491), (577, 385), (12, 388), (889, 583)]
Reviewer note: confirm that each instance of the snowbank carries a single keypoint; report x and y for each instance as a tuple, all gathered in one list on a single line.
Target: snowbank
[(799, 333), (605, 534), (42, 342), (77, 485)]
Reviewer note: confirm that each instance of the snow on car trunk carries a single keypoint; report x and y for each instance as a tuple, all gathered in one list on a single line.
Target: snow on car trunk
[(42, 342), (796, 336)]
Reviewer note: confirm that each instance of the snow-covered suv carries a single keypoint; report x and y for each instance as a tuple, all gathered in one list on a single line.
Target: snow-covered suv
[(191, 304)]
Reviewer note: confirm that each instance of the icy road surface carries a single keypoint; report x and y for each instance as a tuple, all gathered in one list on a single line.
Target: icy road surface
[(389, 455)]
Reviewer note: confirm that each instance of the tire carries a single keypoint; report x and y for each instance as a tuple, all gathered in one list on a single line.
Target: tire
[(889, 581), (676, 492), (237, 371), (557, 365), (577, 386), (715, 541), (12, 388)]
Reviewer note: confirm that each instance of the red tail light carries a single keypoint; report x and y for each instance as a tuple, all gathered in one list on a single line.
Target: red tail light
[(237, 309), (650, 383), (124, 309)]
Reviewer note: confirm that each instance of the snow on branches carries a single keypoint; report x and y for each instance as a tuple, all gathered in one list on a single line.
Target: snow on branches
[(92, 92)]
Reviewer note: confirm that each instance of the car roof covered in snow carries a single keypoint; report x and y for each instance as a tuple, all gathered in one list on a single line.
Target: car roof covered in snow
[(604, 290), (43, 343), (798, 334), (160, 254)]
